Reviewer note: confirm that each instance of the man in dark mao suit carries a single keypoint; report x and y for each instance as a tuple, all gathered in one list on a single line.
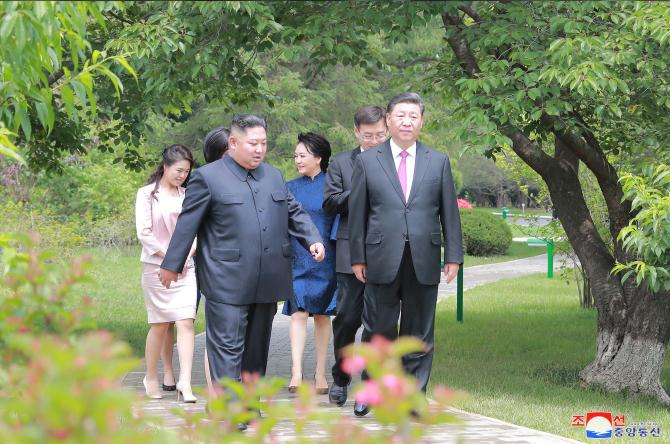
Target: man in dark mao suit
[(402, 203), (370, 130), (243, 214)]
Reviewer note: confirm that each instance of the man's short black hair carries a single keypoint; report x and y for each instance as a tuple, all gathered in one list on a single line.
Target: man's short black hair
[(368, 115), (406, 97), (242, 122)]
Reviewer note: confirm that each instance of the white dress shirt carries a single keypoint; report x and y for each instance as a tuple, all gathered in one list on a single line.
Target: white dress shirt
[(409, 162)]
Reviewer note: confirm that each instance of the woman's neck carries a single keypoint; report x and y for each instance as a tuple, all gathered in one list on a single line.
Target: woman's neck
[(164, 185), (313, 174)]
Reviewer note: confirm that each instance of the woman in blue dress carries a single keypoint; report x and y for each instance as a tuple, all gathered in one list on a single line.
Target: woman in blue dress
[(314, 284)]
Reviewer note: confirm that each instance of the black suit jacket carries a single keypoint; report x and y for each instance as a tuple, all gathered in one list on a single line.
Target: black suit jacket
[(380, 221), (243, 220), (336, 201)]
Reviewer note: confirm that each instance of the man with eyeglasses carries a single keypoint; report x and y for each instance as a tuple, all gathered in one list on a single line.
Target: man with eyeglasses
[(402, 204), (370, 130)]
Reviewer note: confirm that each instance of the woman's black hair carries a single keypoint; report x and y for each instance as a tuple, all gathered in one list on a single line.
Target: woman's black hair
[(216, 144), (318, 146), (170, 156)]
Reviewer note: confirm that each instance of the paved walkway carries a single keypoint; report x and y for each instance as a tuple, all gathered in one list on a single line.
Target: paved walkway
[(474, 429)]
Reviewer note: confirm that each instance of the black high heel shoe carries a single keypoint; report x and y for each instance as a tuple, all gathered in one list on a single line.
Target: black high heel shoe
[(169, 388)]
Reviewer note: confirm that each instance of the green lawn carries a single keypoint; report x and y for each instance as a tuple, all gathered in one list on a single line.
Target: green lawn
[(118, 302), (518, 355), (517, 250)]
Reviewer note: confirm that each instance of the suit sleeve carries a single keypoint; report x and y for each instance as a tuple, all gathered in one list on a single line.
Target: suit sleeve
[(335, 198), (359, 206), (193, 211), (450, 217), (300, 224), (144, 223)]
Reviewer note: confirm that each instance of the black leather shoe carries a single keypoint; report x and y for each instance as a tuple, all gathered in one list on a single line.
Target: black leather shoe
[(361, 409), (337, 394), (169, 388)]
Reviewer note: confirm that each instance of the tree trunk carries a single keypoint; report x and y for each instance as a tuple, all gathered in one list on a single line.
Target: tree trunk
[(630, 357), (633, 323)]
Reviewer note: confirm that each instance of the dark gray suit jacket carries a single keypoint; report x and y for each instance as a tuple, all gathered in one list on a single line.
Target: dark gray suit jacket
[(336, 201), (243, 220), (380, 220)]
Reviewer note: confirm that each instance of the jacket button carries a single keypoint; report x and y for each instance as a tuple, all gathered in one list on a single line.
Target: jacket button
[(265, 228), (266, 249)]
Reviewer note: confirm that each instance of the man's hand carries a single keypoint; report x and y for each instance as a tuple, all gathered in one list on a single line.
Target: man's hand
[(318, 251), (450, 270), (361, 271), (167, 277)]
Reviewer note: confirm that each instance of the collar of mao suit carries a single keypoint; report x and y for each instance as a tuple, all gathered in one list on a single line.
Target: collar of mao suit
[(240, 172)]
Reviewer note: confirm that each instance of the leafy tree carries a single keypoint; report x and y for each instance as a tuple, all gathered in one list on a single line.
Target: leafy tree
[(49, 69), (566, 85)]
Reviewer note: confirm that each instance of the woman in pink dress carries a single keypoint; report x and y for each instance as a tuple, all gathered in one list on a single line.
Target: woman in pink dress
[(157, 207)]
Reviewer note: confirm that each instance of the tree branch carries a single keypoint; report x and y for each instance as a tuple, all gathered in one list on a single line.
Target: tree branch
[(55, 77), (586, 147), (470, 11), (119, 18), (461, 49), (407, 63)]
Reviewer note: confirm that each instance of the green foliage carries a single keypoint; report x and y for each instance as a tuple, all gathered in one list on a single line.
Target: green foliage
[(484, 234), (647, 236), (62, 383), (67, 392), (518, 354), (38, 296), (58, 233), (49, 68)]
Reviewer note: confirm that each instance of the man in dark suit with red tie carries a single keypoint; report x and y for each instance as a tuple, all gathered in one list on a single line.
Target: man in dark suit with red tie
[(370, 130), (402, 204)]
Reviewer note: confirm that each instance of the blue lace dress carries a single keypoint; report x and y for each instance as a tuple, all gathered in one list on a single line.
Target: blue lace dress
[(314, 283)]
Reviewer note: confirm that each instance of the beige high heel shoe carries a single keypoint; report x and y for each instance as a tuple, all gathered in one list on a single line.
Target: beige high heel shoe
[(190, 399), (154, 395), (294, 388), (320, 390)]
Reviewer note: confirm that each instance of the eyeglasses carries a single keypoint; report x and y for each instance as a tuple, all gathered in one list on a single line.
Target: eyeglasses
[(371, 137)]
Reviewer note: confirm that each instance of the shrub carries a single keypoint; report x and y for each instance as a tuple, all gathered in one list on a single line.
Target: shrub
[(484, 234), (60, 382)]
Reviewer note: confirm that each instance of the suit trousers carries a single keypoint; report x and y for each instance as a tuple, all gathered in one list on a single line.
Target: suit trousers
[(415, 304), (348, 320), (238, 338)]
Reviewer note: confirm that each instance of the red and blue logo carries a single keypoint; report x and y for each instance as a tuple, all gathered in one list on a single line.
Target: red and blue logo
[(598, 425)]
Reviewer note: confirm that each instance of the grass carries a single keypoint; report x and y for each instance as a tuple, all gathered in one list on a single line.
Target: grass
[(517, 250), (118, 301), (518, 355)]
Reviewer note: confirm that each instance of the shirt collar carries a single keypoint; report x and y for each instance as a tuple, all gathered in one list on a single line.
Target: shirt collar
[(395, 149), (242, 173)]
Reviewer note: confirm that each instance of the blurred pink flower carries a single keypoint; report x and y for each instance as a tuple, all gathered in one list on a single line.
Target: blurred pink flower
[(462, 203), (394, 384), (380, 342), (370, 394), (353, 364)]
